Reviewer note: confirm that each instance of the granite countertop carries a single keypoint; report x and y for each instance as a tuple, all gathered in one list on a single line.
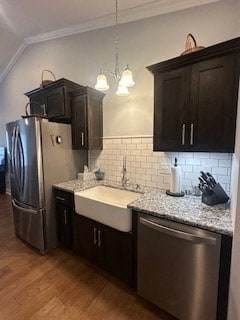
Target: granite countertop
[(188, 209), (77, 185)]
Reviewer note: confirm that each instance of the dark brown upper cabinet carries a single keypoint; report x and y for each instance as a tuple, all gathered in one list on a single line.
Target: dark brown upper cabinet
[(87, 119), (53, 100), (195, 100)]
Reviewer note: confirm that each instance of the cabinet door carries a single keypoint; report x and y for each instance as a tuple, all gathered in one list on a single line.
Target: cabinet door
[(38, 105), (64, 208), (170, 110), (95, 123), (85, 237), (2, 182), (79, 123), (64, 225), (55, 102), (213, 105), (117, 253)]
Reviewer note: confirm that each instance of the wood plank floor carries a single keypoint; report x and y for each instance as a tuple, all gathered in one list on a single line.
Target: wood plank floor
[(60, 285)]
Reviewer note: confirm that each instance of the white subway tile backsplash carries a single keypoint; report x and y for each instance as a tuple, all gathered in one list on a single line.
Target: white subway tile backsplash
[(225, 163), (193, 161), (225, 156), (210, 162), (136, 152), (136, 140), (201, 155), (152, 169), (117, 141), (219, 170), (223, 179), (192, 176)]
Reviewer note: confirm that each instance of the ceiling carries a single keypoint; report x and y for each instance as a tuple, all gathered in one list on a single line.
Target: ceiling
[(27, 21)]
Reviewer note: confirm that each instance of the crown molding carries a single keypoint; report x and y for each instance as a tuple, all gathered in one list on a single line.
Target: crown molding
[(128, 15), (13, 61), (137, 13)]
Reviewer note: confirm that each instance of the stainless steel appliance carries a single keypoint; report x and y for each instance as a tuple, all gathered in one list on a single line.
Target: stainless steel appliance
[(178, 268), (2, 170), (40, 155)]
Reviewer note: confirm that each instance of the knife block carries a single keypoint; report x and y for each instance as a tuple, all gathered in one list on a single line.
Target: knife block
[(218, 196)]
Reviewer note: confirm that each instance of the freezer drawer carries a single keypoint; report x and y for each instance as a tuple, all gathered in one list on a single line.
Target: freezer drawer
[(28, 224), (178, 268)]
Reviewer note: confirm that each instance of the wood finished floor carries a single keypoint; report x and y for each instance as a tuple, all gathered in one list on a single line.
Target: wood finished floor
[(60, 285)]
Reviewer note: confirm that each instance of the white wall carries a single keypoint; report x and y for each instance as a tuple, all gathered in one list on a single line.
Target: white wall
[(142, 43)]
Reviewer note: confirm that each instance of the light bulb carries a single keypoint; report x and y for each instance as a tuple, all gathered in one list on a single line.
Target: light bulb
[(122, 91), (127, 78), (101, 84)]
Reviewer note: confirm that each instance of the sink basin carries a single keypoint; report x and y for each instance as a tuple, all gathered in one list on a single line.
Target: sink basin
[(106, 205)]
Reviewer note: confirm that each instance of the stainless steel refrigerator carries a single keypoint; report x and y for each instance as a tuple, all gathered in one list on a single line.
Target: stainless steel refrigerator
[(40, 154)]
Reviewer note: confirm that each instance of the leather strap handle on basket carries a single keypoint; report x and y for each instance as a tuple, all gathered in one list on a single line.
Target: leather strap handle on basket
[(45, 82), (26, 107), (189, 39), (191, 45)]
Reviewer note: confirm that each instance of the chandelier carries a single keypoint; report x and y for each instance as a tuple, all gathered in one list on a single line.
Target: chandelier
[(124, 78)]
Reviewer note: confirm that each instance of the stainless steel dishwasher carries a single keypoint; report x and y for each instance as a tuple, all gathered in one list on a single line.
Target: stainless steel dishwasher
[(178, 268)]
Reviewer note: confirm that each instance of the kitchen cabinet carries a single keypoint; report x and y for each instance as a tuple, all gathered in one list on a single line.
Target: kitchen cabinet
[(53, 100), (64, 202), (2, 182), (108, 248), (87, 119), (2, 170), (195, 100)]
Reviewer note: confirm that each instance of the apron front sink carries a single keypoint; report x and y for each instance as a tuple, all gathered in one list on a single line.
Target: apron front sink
[(106, 205)]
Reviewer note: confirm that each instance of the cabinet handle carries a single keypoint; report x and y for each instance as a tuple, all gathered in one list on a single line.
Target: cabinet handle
[(65, 216), (44, 109), (95, 236), (82, 134), (183, 134), (99, 239), (191, 134), (60, 198)]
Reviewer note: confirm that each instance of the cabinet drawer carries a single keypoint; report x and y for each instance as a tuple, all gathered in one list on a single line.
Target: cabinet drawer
[(63, 197)]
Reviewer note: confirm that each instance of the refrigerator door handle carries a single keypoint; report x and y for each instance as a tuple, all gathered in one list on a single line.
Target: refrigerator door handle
[(19, 156), (21, 208), (177, 233), (12, 151)]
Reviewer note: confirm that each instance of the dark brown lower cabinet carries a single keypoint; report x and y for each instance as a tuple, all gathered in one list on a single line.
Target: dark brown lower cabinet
[(106, 247), (2, 182), (64, 202)]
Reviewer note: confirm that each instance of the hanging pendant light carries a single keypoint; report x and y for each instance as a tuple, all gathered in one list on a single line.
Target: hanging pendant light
[(122, 91), (127, 78), (124, 79), (101, 84)]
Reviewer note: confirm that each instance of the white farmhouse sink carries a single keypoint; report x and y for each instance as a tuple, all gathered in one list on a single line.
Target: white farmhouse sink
[(106, 205)]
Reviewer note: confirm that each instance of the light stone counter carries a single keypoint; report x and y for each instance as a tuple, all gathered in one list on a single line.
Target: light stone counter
[(76, 185), (188, 209)]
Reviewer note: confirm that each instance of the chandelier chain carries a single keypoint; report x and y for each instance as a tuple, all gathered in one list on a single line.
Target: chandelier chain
[(117, 72)]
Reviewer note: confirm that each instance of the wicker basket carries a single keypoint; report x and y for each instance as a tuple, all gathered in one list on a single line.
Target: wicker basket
[(27, 115), (46, 82), (191, 45)]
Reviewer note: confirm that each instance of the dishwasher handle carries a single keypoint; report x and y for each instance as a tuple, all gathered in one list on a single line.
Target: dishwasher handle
[(177, 233)]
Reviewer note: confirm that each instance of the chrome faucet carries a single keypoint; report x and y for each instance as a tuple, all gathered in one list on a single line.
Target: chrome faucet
[(124, 173)]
